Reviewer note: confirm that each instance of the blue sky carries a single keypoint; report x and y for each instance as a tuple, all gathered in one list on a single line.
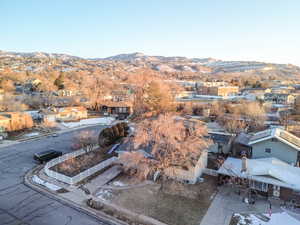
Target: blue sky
[(265, 30)]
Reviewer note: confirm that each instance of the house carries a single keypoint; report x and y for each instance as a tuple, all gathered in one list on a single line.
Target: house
[(66, 93), (191, 174), (71, 113), (184, 94), (221, 142), (14, 121), (270, 177), (119, 109), (4, 122), (223, 91), (279, 98), (254, 93), (1, 94), (274, 142)]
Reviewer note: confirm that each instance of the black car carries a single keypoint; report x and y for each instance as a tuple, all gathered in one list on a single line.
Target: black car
[(46, 155)]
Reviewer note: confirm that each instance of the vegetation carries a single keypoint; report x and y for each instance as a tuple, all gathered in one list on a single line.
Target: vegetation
[(170, 142), (110, 135)]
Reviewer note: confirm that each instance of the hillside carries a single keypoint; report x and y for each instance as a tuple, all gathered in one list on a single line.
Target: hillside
[(37, 62)]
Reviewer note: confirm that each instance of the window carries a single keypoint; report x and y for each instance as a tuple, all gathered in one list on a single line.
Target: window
[(258, 186), (268, 150), (274, 140)]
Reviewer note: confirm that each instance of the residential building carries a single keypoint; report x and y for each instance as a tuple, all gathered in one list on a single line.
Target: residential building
[(221, 142), (275, 142), (222, 91), (279, 98), (190, 175), (71, 113), (4, 122), (67, 93), (13, 121), (269, 177), (119, 109), (1, 94), (254, 93)]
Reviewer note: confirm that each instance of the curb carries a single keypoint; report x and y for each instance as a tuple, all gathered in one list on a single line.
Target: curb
[(99, 216)]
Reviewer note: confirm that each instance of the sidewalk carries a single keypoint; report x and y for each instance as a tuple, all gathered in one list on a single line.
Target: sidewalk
[(77, 196), (68, 192), (226, 202)]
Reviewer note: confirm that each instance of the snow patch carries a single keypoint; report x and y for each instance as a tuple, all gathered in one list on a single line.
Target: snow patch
[(104, 195), (46, 184), (102, 120), (274, 219), (119, 184), (31, 134)]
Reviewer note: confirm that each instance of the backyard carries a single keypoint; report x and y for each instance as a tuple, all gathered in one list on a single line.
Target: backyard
[(173, 203)]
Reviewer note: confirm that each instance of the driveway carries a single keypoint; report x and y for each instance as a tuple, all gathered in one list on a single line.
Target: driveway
[(21, 205), (227, 202)]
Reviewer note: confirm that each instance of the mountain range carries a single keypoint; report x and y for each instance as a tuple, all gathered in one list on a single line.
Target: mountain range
[(40, 61)]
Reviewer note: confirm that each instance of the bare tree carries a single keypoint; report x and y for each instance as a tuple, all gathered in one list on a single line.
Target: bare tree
[(96, 89), (173, 142), (86, 140)]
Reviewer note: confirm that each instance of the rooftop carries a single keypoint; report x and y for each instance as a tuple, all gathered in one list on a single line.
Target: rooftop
[(278, 133), (266, 170)]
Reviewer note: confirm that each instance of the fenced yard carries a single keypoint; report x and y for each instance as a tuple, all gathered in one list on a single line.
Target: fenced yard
[(75, 165), (85, 165)]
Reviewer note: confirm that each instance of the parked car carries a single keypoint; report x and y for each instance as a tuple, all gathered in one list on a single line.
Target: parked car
[(46, 156)]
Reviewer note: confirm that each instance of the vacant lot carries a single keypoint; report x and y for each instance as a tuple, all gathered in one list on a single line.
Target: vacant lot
[(173, 203)]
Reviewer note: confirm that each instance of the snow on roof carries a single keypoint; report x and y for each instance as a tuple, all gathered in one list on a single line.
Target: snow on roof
[(278, 133), (276, 219), (266, 170)]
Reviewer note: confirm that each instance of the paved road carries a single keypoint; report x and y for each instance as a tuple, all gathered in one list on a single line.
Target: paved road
[(20, 205)]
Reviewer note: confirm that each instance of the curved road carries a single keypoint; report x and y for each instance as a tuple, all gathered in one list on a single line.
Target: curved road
[(20, 205)]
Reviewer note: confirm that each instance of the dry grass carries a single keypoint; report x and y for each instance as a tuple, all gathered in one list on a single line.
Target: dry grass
[(174, 204)]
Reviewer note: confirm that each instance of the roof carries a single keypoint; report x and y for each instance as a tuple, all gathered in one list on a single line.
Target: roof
[(117, 104), (220, 137), (78, 108), (278, 133), (267, 170), (242, 138), (4, 118)]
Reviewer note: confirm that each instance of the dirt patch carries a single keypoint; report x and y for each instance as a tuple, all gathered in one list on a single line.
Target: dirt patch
[(172, 203), (78, 164)]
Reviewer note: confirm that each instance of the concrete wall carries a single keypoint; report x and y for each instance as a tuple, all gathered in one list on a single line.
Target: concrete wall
[(79, 177), (279, 150)]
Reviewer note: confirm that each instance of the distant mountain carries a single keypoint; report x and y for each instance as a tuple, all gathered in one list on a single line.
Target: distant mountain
[(40, 61), (37, 55)]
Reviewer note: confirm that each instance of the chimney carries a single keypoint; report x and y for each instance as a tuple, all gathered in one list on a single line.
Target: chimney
[(244, 164)]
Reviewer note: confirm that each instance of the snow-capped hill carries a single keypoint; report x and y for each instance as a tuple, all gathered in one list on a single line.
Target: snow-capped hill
[(127, 57), (41, 61), (41, 55)]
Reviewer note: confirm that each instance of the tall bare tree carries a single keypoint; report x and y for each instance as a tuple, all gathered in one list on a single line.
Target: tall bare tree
[(173, 142)]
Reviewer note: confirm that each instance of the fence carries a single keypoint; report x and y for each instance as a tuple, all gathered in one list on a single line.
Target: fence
[(210, 172), (78, 177)]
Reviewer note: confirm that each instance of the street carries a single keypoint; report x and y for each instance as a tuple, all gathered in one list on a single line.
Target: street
[(21, 205)]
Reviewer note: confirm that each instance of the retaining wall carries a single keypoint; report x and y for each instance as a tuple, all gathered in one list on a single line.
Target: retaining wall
[(79, 177)]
